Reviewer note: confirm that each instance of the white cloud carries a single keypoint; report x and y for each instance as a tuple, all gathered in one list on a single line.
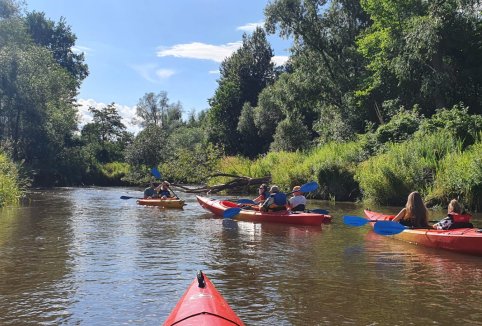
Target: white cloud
[(202, 51), (214, 72), (152, 73), (78, 49), (126, 112), (279, 60), (249, 27), (164, 73)]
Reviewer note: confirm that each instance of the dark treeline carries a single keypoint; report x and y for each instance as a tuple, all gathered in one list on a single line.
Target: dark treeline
[(369, 73)]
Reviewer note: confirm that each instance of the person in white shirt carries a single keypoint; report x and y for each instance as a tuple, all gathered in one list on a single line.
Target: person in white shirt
[(298, 201)]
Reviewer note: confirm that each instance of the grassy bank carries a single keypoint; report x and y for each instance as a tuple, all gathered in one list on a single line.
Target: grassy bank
[(10, 184)]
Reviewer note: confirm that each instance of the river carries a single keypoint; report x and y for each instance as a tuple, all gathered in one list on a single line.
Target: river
[(82, 256)]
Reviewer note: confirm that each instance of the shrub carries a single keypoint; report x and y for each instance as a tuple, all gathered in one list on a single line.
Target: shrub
[(10, 183), (460, 176), (388, 178)]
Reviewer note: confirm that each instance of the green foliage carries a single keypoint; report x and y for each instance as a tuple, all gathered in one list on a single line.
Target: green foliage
[(404, 167), (106, 135), (459, 175), (422, 52), (10, 183), (243, 76), (457, 121), (400, 128), (191, 165), (291, 135), (147, 148)]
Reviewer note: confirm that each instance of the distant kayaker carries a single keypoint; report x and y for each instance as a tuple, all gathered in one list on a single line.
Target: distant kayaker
[(276, 201), (455, 218), (263, 194), (150, 192), (163, 190), (298, 201), (415, 214)]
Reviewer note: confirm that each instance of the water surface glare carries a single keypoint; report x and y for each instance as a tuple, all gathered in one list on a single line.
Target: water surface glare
[(82, 256)]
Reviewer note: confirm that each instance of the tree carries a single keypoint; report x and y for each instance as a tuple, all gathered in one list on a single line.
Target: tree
[(155, 109), (325, 68), (107, 134), (422, 52), (59, 39), (243, 76)]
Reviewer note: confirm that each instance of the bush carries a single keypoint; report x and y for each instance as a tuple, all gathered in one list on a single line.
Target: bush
[(10, 183), (388, 178), (457, 121), (460, 176)]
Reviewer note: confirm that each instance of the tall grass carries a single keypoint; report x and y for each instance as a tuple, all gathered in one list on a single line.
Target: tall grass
[(332, 165), (389, 177), (459, 176), (10, 188)]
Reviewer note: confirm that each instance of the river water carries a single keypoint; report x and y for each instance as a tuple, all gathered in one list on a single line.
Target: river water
[(82, 256)]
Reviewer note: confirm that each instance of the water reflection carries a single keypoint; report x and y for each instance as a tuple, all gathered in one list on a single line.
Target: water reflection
[(83, 256)]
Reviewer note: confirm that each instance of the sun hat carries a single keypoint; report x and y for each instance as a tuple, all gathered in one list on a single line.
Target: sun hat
[(274, 189), (296, 188)]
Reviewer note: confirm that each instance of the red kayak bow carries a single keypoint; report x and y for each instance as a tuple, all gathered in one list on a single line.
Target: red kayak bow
[(202, 304)]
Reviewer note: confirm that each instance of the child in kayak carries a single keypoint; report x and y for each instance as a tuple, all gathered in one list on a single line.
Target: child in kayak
[(455, 219), (275, 202), (298, 201), (415, 214)]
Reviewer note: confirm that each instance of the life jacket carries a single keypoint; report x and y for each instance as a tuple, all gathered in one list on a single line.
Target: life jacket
[(460, 218), (280, 199)]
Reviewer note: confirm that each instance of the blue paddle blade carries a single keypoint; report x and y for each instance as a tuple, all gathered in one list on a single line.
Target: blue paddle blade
[(246, 201), (319, 211), (354, 220), (308, 187), (231, 212), (155, 172), (388, 227)]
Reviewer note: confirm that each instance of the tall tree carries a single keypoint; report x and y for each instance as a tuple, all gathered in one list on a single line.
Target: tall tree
[(155, 109), (106, 134), (59, 39), (423, 52), (325, 67), (243, 76)]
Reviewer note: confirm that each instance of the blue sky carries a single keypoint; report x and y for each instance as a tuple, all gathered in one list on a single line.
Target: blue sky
[(136, 47)]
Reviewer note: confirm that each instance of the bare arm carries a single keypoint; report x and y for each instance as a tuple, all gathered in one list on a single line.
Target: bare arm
[(400, 215)]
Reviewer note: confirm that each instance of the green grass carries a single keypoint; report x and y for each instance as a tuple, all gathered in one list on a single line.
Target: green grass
[(10, 189)]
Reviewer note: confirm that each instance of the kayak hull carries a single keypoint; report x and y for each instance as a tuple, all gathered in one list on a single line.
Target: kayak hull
[(463, 240), (165, 203), (217, 207), (202, 306)]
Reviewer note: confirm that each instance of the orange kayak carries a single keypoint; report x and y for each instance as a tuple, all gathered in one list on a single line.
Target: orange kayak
[(166, 203), (464, 240), (202, 304), (217, 207)]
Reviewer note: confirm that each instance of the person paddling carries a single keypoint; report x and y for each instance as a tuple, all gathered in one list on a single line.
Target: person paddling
[(275, 202), (150, 192), (163, 190)]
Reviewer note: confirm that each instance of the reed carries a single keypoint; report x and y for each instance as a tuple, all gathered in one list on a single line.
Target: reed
[(459, 176), (10, 188), (404, 167)]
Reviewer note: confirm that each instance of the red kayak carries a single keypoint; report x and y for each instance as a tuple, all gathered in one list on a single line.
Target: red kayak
[(202, 304), (464, 240), (217, 207)]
